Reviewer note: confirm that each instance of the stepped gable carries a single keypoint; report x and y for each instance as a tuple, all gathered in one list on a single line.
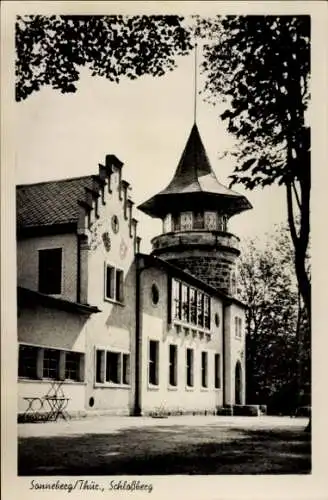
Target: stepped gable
[(71, 202)]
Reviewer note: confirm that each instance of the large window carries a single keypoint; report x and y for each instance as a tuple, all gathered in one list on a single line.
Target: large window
[(51, 359), (114, 283), (204, 369), (190, 367), (193, 306), (56, 364), (27, 364), (153, 362), (185, 303), (217, 371), (112, 367), (200, 309), (176, 299), (173, 365), (50, 271), (72, 365), (207, 311), (190, 305)]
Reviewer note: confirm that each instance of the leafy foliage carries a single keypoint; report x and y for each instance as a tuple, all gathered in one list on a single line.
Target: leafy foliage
[(51, 49), (278, 338), (259, 67), (252, 65)]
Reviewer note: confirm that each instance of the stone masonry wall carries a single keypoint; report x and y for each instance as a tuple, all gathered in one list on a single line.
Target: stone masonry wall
[(215, 269)]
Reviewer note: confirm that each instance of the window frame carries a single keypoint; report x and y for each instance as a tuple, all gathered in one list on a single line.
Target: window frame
[(204, 370), (61, 370), (173, 366), (42, 281), (195, 307), (153, 384), (217, 370), (190, 368), (103, 352), (116, 285)]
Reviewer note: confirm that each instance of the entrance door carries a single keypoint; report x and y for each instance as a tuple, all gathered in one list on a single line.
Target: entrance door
[(238, 384)]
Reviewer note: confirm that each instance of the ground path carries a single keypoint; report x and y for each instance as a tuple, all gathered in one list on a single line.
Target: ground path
[(175, 445)]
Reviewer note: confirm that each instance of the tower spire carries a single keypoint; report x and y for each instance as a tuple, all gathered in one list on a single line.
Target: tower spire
[(195, 85)]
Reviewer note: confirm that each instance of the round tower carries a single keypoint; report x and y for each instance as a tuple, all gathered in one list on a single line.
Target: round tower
[(195, 209)]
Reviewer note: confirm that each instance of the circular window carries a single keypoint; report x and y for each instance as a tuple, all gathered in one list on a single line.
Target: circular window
[(115, 224), (91, 402), (154, 294), (217, 319)]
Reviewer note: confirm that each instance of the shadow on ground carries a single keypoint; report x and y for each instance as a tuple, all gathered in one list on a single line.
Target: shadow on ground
[(168, 450)]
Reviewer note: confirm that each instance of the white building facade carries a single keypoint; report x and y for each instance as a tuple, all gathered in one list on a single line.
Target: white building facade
[(118, 331)]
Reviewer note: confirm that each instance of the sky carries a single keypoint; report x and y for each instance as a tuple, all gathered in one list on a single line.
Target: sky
[(146, 124)]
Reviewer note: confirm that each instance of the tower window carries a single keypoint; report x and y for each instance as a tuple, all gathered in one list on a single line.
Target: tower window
[(176, 222), (198, 220), (50, 271), (186, 221), (167, 223), (210, 221)]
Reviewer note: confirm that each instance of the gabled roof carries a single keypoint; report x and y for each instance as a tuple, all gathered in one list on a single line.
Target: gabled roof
[(50, 203), (194, 177), (174, 271)]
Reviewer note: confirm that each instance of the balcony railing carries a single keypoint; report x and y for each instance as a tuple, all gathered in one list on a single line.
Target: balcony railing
[(195, 238)]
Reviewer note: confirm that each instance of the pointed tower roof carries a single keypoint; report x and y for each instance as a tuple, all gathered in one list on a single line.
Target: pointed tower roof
[(195, 184)]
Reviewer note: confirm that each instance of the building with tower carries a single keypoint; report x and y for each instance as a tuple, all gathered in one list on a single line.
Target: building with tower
[(117, 330)]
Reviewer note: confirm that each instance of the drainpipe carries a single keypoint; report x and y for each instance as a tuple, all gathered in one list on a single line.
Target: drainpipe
[(223, 355), (78, 274), (137, 401)]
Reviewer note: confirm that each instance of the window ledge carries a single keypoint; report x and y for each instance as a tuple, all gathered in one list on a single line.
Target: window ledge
[(113, 301), (172, 387), (189, 388), (49, 381), (204, 389), (152, 387), (111, 385), (192, 327)]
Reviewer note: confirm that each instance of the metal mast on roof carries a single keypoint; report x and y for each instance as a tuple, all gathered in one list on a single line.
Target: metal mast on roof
[(195, 85)]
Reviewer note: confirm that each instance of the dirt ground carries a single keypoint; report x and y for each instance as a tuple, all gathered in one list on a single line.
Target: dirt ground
[(176, 445)]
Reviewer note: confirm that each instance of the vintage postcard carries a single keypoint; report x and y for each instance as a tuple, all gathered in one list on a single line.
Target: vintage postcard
[(163, 205)]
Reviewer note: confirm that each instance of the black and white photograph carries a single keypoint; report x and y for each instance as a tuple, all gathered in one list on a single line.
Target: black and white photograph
[(162, 244)]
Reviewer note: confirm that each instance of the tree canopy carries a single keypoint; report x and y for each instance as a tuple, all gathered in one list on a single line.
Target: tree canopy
[(259, 67), (277, 331), (50, 50)]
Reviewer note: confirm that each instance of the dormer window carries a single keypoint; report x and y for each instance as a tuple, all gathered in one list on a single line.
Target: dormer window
[(50, 271)]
